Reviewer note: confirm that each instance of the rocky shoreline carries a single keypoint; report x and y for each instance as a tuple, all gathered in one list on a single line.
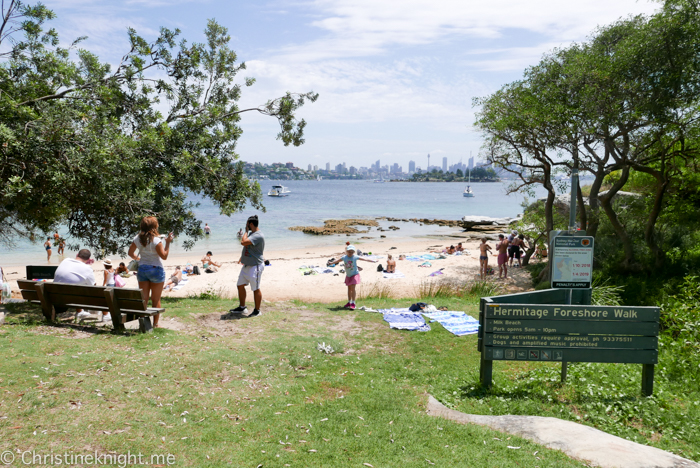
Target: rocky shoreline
[(479, 224), (337, 226)]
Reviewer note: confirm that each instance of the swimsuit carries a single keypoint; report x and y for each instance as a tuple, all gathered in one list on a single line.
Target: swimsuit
[(483, 257), (48, 247)]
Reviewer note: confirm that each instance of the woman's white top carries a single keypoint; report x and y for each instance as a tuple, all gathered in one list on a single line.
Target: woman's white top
[(148, 253), (110, 278)]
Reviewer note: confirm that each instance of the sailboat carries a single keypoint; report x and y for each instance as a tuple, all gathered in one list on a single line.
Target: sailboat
[(380, 180), (468, 191)]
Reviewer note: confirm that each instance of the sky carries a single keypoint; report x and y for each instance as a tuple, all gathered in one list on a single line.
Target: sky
[(396, 78)]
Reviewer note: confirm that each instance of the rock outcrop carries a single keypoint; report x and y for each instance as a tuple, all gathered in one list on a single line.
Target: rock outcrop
[(336, 226)]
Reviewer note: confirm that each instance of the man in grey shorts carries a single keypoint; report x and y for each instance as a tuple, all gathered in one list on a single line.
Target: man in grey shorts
[(253, 243)]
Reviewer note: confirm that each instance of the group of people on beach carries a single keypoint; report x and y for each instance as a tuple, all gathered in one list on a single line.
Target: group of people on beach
[(507, 248)]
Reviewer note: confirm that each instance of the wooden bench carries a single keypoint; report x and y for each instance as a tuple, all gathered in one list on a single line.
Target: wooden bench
[(123, 305)]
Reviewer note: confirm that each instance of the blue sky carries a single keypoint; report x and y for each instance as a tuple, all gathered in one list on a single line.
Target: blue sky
[(396, 78)]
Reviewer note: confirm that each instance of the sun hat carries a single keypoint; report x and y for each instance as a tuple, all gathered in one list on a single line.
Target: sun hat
[(350, 247), (107, 262)]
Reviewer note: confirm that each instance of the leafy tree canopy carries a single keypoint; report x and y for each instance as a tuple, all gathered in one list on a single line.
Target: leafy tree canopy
[(97, 146)]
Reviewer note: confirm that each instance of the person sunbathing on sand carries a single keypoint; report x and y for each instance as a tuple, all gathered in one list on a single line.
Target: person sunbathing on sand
[(390, 265), (208, 262), (174, 279)]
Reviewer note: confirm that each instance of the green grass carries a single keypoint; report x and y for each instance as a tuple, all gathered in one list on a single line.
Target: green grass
[(258, 391), (263, 395)]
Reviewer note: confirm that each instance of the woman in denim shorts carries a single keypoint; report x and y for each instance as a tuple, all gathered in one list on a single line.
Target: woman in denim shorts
[(152, 252)]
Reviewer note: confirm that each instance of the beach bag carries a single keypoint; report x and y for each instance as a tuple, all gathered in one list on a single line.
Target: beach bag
[(119, 281), (133, 266), (417, 307), (380, 267), (195, 270)]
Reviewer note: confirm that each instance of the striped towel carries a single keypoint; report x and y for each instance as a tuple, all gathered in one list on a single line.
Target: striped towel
[(457, 323), (405, 320)]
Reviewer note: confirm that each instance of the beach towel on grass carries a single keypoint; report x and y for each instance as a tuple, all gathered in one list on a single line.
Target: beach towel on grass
[(436, 273), (405, 320), (457, 323), (394, 275)]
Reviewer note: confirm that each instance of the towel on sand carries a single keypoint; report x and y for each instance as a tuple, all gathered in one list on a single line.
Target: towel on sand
[(420, 258), (393, 275), (457, 323), (405, 320), (179, 286)]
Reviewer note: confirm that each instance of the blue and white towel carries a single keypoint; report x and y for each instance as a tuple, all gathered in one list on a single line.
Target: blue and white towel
[(420, 258), (457, 323), (401, 320)]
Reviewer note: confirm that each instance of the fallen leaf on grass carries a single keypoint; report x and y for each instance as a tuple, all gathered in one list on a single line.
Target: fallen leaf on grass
[(313, 451), (514, 448), (429, 461), (367, 464), (361, 418), (324, 419)]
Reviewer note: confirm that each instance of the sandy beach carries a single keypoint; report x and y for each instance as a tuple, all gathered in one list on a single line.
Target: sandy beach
[(284, 279)]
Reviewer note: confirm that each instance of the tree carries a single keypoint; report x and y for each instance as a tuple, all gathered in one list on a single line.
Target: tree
[(98, 147), (625, 102), (459, 174)]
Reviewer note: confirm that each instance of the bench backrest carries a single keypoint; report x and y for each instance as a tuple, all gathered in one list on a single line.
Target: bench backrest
[(41, 271), (62, 294)]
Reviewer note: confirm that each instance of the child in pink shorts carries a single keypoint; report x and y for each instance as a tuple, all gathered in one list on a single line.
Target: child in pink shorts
[(352, 274)]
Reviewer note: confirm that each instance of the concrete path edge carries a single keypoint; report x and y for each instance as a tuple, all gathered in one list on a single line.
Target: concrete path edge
[(581, 442)]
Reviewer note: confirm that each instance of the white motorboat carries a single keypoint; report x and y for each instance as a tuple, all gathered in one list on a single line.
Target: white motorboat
[(468, 191), (278, 191)]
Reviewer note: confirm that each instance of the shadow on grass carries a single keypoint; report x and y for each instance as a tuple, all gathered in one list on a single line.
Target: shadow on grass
[(30, 315)]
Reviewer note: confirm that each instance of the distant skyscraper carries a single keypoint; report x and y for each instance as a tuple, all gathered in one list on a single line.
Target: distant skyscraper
[(378, 166), (411, 166), (290, 165), (309, 167), (444, 164), (471, 163), (328, 166), (353, 170), (315, 168), (339, 168)]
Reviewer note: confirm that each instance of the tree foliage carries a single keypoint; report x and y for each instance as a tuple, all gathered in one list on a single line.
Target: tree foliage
[(626, 102), (98, 146)]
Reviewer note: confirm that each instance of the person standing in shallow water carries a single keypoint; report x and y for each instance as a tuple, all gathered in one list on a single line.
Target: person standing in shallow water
[(47, 246), (253, 243)]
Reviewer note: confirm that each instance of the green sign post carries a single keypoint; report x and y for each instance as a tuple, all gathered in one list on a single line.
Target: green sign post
[(561, 332)]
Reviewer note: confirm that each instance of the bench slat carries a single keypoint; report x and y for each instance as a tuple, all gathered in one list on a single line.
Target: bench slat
[(65, 299), (74, 289), (129, 294)]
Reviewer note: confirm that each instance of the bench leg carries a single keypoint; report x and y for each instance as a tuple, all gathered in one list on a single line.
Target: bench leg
[(145, 325), (647, 379), (117, 321)]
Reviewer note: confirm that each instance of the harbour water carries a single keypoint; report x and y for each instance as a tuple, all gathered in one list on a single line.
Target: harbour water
[(311, 202)]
